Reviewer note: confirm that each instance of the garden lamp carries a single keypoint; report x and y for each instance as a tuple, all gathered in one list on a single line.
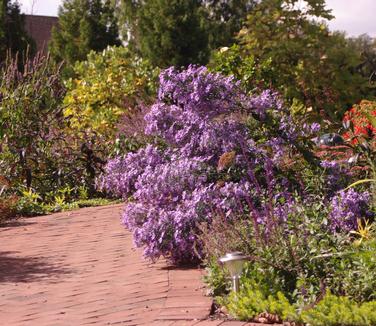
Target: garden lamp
[(234, 262)]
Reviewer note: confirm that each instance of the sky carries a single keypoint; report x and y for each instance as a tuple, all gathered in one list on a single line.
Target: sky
[(352, 16)]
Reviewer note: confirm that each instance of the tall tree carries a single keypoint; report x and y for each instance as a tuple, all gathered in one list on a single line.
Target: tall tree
[(13, 36), (365, 45), (84, 25), (225, 18), (167, 32), (179, 32), (3, 9)]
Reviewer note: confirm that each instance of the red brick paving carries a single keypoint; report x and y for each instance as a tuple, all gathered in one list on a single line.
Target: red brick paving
[(80, 268)]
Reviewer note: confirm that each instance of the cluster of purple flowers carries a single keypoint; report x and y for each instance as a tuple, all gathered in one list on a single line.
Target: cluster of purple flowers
[(121, 173), (337, 175), (346, 208), (198, 117), (190, 113)]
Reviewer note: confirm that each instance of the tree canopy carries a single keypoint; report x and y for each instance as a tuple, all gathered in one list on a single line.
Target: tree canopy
[(84, 25), (13, 37), (366, 48), (289, 48), (180, 32), (224, 19)]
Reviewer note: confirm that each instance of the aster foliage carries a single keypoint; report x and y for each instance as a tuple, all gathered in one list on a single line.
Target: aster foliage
[(217, 150)]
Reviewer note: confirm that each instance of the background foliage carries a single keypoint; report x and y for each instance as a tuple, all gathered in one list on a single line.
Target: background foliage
[(13, 37), (208, 162), (41, 159), (106, 86), (286, 50), (179, 32), (84, 25)]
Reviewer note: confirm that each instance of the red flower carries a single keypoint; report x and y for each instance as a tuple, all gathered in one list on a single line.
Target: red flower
[(359, 117)]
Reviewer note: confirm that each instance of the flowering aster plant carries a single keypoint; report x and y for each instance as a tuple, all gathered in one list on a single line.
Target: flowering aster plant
[(347, 207), (214, 154)]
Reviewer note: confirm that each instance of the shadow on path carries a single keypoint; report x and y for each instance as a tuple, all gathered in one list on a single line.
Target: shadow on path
[(15, 223), (27, 269), (184, 267)]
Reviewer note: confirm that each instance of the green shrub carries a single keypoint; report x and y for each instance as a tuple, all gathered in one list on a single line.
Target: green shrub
[(301, 257), (31, 123), (44, 146), (340, 311), (76, 204), (30, 204), (254, 299), (215, 278), (292, 270)]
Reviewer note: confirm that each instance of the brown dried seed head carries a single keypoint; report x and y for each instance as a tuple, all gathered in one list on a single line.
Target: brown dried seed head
[(226, 160)]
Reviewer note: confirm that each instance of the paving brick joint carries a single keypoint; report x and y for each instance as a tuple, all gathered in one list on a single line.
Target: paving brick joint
[(81, 268)]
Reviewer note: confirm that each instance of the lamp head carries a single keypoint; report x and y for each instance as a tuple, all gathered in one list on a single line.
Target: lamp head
[(234, 262)]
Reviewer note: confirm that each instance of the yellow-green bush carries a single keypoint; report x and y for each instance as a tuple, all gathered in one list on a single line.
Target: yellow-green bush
[(332, 310), (106, 86)]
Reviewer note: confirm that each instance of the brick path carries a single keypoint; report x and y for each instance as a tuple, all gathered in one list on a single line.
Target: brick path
[(80, 268)]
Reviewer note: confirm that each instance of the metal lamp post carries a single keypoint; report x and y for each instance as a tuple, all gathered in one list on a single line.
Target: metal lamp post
[(234, 262)]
